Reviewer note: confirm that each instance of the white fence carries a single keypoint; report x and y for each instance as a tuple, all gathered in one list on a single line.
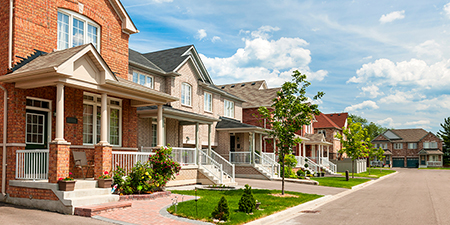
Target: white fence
[(434, 163), (241, 157), (127, 160), (32, 164), (184, 156)]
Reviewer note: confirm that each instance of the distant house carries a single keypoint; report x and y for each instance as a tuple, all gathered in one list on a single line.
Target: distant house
[(329, 125), (410, 148)]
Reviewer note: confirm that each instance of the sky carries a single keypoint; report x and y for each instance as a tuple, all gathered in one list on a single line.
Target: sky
[(387, 61)]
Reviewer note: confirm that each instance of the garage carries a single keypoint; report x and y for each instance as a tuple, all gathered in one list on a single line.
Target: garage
[(412, 162), (398, 162)]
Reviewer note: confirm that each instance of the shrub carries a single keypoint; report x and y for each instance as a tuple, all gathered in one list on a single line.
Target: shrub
[(164, 167), (300, 173), (247, 202), (222, 211)]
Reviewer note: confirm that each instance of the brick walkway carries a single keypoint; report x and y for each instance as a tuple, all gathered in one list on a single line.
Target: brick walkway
[(147, 212)]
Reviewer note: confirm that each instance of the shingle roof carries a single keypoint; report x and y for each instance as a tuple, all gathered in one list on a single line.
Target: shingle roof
[(138, 58), (255, 93), (232, 123), (323, 121), (338, 118), (409, 135), (430, 152), (315, 137), (169, 59)]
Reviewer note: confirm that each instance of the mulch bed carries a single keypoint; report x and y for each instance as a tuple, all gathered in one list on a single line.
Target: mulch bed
[(151, 196)]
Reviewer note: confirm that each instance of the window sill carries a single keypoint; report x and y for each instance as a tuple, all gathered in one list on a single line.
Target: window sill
[(188, 106)]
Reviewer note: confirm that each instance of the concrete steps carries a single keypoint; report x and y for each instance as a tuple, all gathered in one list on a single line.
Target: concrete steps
[(212, 173)]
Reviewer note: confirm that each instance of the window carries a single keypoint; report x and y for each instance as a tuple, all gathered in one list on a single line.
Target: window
[(229, 108), (412, 145), (75, 29), (322, 132), (186, 94), (398, 145), (35, 128), (381, 145), (430, 144), (154, 135), (92, 126), (208, 102), (142, 79)]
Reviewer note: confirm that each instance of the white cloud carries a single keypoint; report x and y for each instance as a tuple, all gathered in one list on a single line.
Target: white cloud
[(401, 97), (216, 38), (372, 90), (396, 15), (406, 73), (201, 34), (363, 105), (447, 9), (389, 122), (435, 104), (368, 57), (272, 60), (418, 122), (428, 49)]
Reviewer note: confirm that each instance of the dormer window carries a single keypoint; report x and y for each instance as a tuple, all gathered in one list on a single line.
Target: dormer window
[(75, 29)]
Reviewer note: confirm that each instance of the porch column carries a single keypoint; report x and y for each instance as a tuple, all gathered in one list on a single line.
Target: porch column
[(197, 147), (328, 152), (104, 121), (160, 128), (260, 144), (59, 129), (209, 140), (253, 147), (304, 150), (274, 145)]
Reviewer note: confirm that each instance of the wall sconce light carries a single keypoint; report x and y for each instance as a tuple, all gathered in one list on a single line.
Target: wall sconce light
[(187, 138)]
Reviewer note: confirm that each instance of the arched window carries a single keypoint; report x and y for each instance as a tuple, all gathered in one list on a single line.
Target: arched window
[(75, 29)]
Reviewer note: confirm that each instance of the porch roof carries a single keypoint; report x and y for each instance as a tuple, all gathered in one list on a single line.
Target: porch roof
[(387, 152), (81, 67), (186, 118), (317, 139), (235, 126), (430, 152)]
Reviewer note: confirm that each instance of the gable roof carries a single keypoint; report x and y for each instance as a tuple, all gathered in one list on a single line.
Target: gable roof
[(127, 24), (168, 60), (406, 135), (323, 121), (340, 119), (255, 93), (139, 60)]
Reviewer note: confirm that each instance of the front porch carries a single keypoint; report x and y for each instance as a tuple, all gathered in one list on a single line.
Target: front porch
[(430, 158)]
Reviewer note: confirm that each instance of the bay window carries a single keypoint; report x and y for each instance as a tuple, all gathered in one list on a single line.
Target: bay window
[(92, 127), (75, 29)]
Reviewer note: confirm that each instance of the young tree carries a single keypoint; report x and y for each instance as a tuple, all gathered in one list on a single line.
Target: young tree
[(444, 134), (352, 142), (371, 152), (287, 115)]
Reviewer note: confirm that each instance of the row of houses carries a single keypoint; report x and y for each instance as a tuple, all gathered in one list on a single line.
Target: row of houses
[(71, 83)]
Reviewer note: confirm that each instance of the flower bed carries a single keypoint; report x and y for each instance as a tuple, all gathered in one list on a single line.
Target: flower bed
[(145, 196)]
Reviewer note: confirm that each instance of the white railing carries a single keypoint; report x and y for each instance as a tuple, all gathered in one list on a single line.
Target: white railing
[(184, 156), (272, 156), (228, 168), (32, 164), (211, 166), (127, 160), (329, 165), (434, 163), (312, 166), (376, 163), (241, 157), (267, 165)]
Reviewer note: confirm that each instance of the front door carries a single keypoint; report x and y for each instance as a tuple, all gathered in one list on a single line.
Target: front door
[(232, 143), (36, 129)]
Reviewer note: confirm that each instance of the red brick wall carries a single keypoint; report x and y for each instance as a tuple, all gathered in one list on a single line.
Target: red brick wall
[(129, 124), (4, 35), (20, 192), (35, 27)]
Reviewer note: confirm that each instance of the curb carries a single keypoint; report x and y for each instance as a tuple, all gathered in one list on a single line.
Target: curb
[(163, 212), (295, 211)]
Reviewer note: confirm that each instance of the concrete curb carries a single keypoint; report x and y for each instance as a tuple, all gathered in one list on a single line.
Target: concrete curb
[(280, 217), (163, 212)]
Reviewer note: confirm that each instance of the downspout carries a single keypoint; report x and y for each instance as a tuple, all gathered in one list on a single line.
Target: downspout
[(5, 99)]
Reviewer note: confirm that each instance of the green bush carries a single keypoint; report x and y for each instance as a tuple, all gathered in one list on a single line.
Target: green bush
[(247, 202), (300, 173), (290, 161), (164, 167), (222, 211)]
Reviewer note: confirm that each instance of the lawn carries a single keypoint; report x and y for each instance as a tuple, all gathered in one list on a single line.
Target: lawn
[(209, 199), (339, 181), (435, 168), (374, 173)]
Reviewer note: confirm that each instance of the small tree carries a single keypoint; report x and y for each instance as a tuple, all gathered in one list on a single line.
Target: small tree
[(371, 151), (287, 115), (247, 202), (352, 142), (444, 134), (222, 211)]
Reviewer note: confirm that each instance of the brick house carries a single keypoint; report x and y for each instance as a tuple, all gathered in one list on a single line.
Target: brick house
[(330, 125), (64, 75), (410, 148)]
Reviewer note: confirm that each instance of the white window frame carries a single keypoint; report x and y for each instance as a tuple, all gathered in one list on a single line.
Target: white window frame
[(412, 145), (31, 132), (186, 95), (208, 104), (73, 15), (398, 145), (96, 102), (228, 108), (49, 113), (430, 144), (139, 74)]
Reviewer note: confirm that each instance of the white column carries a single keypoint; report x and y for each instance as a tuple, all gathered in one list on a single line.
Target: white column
[(274, 145), (260, 144), (104, 121), (304, 150), (328, 152), (253, 147), (59, 130), (199, 161), (209, 139), (160, 128)]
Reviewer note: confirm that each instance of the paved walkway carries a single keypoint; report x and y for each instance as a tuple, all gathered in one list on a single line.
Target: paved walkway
[(411, 196)]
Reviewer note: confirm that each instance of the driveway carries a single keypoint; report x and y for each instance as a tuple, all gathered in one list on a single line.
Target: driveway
[(411, 196)]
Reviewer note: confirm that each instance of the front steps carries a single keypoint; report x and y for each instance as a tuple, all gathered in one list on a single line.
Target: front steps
[(212, 173), (265, 173)]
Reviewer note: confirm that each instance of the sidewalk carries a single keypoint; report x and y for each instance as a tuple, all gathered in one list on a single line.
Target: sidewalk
[(148, 212)]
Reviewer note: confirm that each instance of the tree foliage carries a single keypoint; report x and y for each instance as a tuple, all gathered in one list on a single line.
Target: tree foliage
[(247, 202), (444, 134), (373, 129), (288, 113), (371, 152), (222, 211), (352, 141)]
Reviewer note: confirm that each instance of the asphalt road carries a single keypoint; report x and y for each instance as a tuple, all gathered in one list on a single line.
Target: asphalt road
[(411, 196)]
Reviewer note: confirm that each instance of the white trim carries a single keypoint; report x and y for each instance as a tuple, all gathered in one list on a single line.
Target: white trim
[(74, 15), (210, 103), (185, 84), (138, 73), (226, 112)]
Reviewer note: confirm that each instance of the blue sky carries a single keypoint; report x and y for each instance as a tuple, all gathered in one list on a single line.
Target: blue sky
[(387, 61)]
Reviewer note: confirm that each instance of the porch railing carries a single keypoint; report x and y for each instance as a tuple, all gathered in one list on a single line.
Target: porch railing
[(127, 160), (302, 161), (228, 168), (210, 165), (32, 164), (184, 156), (329, 165), (434, 163), (267, 165), (376, 163), (272, 156), (241, 157)]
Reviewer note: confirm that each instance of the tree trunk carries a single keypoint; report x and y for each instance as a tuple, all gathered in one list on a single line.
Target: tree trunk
[(282, 173)]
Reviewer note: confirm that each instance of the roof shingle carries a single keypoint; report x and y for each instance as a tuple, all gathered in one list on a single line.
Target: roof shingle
[(255, 93)]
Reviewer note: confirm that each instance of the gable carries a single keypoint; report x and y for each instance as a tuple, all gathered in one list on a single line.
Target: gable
[(84, 69), (391, 135)]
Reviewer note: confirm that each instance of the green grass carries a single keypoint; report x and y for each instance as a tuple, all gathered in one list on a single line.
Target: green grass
[(374, 173), (210, 198), (339, 181), (435, 168)]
